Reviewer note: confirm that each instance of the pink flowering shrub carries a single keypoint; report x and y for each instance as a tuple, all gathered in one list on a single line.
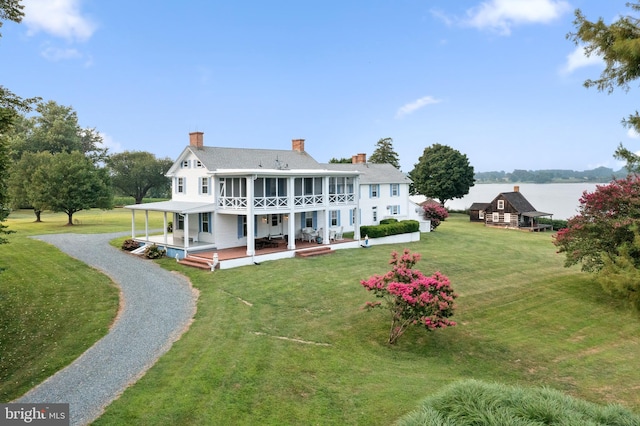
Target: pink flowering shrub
[(435, 213), (411, 297)]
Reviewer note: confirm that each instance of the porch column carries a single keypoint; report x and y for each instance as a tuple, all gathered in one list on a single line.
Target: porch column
[(356, 213), (251, 219), (146, 225), (291, 244), (166, 225), (133, 223), (325, 209), (186, 231)]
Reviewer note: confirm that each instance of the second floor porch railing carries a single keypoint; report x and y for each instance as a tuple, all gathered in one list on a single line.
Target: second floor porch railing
[(241, 203), (341, 198)]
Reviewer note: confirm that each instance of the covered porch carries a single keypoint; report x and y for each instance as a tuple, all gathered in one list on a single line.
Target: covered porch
[(182, 236), (530, 221), (237, 256)]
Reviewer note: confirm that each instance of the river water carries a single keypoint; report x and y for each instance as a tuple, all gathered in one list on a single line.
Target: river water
[(560, 199)]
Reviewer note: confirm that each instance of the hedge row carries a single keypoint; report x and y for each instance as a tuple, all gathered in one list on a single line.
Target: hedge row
[(390, 227)]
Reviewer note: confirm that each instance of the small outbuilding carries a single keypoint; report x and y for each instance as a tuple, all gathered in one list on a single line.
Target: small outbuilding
[(476, 211), (510, 210)]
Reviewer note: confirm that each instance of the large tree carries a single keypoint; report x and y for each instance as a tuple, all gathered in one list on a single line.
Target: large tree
[(385, 154), (135, 173), (10, 106), (70, 182), (442, 173), (55, 129), (22, 188), (619, 46), (604, 237)]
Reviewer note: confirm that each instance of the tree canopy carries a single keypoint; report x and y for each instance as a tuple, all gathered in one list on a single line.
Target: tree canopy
[(619, 46), (442, 173), (135, 173), (55, 129), (10, 106), (605, 236), (70, 182), (385, 154)]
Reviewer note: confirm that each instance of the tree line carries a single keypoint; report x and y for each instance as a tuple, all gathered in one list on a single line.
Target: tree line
[(597, 175)]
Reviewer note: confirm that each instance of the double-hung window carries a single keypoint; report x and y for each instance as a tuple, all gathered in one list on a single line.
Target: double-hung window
[(395, 189), (204, 185), (374, 191), (180, 185)]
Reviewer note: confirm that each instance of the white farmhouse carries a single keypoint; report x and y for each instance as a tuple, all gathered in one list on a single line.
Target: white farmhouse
[(235, 197)]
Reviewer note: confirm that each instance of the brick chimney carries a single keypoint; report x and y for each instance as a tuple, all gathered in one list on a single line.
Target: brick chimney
[(196, 139), (297, 145), (359, 159), (516, 188)]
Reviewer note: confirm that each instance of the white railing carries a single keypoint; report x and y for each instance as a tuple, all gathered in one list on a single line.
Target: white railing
[(270, 202), (307, 200), (236, 203), (341, 198)]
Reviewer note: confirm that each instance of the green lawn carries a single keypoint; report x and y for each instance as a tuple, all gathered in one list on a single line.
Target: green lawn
[(286, 342), (523, 320), (52, 307)]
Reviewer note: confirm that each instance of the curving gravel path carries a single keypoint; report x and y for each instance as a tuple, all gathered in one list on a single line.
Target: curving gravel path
[(156, 307)]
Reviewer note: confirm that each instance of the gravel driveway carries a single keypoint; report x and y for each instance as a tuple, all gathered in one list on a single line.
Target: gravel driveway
[(156, 308)]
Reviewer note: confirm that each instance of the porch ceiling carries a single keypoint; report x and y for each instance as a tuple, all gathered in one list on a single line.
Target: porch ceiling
[(182, 207)]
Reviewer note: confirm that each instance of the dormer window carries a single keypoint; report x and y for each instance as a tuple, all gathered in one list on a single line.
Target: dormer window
[(198, 164), (500, 204), (185, 164)]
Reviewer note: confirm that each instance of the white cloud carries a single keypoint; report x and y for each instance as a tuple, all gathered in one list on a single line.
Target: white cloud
[(416, 105), (502, 15), (578, 59), (56, 54), (631, 133), (111, 144), (60, 18)]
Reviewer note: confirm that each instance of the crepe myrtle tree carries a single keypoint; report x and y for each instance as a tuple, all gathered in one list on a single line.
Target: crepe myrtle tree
[(604, 238), (411, 297)]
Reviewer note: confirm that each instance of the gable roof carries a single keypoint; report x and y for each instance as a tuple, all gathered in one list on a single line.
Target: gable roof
[(220, 158), (479, 206), (372, 173), (518, 202)]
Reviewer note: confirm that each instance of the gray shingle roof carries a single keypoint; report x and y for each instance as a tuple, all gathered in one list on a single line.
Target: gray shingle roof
[(372, 172), (217, 158), (517, 200), (479, 206)]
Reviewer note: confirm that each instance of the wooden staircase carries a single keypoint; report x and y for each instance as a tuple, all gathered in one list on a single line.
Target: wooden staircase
[(199, 262), (314, 252)]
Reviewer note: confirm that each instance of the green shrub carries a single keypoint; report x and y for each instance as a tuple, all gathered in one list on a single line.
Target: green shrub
[(154, 252), (130, 244), (385, 230), (388, 221), (478, 403), (557, 223)]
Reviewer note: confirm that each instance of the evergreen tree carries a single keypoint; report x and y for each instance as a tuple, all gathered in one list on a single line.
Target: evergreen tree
[(384, 153)]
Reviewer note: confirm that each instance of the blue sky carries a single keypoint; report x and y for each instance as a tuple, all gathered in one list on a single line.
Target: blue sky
[(495, 79)]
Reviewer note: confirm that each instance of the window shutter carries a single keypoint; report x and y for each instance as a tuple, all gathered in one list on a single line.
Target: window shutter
[(370, 191), (339, 218), (239, 227), (315, 220)]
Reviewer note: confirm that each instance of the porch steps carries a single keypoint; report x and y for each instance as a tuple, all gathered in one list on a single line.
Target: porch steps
[(314, 252), (198, 262)]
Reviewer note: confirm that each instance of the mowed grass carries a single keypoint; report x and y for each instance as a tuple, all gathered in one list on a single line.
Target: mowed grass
[(286, 342), (52, 307)]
